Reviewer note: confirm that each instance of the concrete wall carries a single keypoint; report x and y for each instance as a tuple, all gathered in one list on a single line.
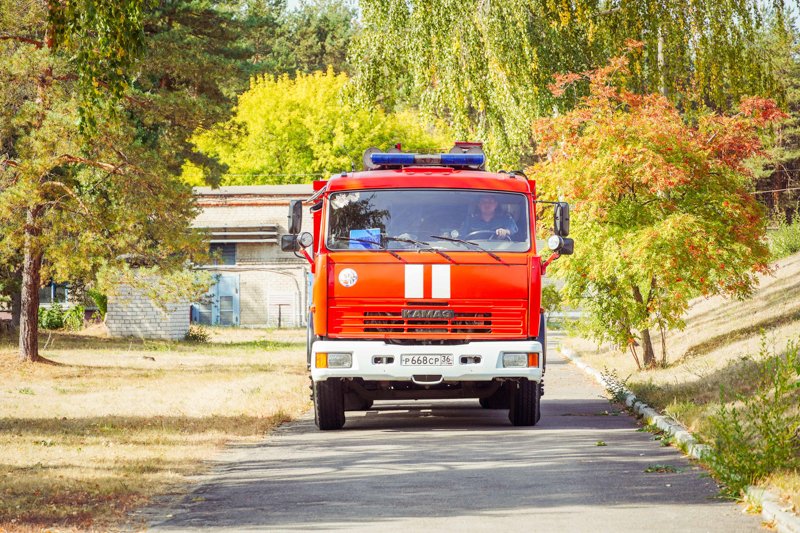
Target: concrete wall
[(132, 314)]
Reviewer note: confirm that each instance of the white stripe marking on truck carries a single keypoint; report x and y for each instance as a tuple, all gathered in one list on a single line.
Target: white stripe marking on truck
[(414, 281), (441, 281)]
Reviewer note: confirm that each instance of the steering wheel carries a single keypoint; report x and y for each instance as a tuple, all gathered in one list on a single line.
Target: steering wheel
[(486, 234)]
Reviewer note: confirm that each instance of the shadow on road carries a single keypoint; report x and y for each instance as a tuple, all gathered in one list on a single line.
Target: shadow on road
[(451, 465), (406, 460)]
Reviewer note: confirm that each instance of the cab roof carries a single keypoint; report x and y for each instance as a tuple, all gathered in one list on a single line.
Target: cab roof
[(429, 177)]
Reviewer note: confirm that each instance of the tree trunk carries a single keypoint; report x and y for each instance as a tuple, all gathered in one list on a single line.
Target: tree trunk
[(31, 281), (649, 355)]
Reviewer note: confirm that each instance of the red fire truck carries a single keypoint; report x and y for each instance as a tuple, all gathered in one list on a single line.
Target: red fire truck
[(427, 284)]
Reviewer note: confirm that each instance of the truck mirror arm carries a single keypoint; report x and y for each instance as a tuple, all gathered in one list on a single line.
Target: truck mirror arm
[(305, 255), (545, 264)]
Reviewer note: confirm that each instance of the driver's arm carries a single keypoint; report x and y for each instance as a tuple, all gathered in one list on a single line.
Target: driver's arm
[(508, 228)]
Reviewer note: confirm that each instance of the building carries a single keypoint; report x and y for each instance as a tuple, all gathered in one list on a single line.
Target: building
[(257, 285)]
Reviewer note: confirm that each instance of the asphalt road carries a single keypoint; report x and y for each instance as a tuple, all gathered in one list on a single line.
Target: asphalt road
[(452, 466)]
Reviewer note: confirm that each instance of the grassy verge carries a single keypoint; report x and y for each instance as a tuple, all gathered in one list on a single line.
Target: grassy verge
[(784, 240), (114, 422), (733, 378)]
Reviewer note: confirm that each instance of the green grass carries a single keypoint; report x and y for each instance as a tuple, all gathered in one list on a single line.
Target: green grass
[(785, 240)]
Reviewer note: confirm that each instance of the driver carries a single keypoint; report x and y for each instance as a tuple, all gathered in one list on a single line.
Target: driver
[(488, 219)]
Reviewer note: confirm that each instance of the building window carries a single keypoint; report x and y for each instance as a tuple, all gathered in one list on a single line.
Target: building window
[(53, 293), (223, 253)]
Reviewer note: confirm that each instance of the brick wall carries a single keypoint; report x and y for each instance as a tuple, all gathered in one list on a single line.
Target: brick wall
[(132, 314), (286, 298), (270, 292), (270, 281)]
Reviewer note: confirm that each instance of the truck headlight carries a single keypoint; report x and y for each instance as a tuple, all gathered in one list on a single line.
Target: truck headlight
[(520, 360), (334, 360)]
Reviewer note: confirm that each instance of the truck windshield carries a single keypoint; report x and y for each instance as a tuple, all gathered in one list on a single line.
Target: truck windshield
[(443, 219)]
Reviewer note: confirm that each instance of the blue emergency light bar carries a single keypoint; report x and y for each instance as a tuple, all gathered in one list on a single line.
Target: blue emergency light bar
[(449, 160)]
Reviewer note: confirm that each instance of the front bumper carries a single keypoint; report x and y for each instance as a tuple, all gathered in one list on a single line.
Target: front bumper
[(365, 367)]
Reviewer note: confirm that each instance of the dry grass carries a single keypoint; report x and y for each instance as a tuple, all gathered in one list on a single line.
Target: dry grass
[(788, 484), (115, 422), (719, 349)]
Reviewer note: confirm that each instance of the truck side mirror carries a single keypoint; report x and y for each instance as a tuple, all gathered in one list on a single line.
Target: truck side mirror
[(561, 219), (289, 243), (295, 216)]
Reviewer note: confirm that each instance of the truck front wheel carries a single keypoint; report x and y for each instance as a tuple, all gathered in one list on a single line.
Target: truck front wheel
[(329, 404), (524, 409)]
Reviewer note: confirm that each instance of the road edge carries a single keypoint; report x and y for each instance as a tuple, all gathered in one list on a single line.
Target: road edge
[(771, 510)]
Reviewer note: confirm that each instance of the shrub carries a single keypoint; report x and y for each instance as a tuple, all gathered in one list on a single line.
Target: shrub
[(616, 387), (74, 318), (757, 435), (100, 300), (785, 240), (197, 333), (51, 317)]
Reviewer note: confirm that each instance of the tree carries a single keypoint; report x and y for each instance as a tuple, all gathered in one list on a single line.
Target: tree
[(197, 57), (485, 66), (663, 210), (290, 130), (80, 190), (319, 35), (312, 37), (779, 170)]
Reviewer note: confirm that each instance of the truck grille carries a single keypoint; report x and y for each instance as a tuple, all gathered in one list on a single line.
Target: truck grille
[(476, 320), (465, 322)]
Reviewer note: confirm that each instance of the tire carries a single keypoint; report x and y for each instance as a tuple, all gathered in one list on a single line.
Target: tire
[(524, 409), (329, 404), (499, 400)]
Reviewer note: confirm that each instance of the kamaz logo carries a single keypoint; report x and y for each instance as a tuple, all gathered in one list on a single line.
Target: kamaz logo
[(428, 313)]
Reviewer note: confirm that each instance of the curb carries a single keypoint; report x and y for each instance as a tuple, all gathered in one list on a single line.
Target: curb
[(772, 512)]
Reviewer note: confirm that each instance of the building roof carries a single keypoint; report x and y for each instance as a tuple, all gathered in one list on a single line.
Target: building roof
[(255, 190), (242, 213), (240, 216)]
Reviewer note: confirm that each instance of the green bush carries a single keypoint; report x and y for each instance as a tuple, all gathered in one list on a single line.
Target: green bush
[(74, 318), (100, 300), (197, 333), (785, 240), (757, 435), (616, 387), (51, 317)]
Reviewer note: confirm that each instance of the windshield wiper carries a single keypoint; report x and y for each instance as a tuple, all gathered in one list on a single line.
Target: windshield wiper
[(380, 247), (470, 243), (420, 244)]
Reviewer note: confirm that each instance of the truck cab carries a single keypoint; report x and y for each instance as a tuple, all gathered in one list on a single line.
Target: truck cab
[(427, 284)]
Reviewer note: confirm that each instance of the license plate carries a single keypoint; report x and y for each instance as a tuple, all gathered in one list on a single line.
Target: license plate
[(426, 360)]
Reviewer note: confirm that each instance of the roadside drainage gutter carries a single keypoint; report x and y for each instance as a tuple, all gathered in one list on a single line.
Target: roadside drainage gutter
[(772, 512)]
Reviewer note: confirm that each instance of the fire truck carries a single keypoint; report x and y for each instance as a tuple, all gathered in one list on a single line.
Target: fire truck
[(426, 284)]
